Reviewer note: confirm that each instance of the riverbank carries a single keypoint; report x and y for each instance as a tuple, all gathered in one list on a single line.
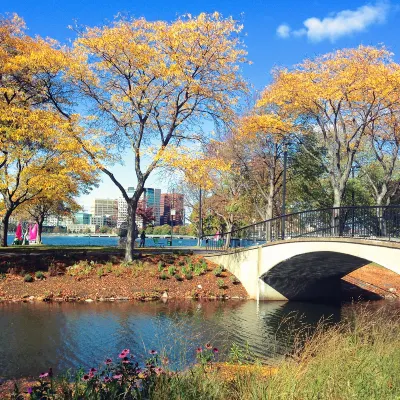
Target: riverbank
[(98, 275), (358, 358)]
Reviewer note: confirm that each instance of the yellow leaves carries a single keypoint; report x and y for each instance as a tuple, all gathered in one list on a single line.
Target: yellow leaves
[(349, 75), (269, 123), (198, 169)]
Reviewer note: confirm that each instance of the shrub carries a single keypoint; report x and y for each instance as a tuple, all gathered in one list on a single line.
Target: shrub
[(39, 275), (163, 276), (218, 271), (234, 280), (161, 266), (198, 270), (108, 267), (178, 277), (100, 272), (189, 276), (220, 283), (53, 270), (171, 270), (181, 263), (28, 278), (185, 270)]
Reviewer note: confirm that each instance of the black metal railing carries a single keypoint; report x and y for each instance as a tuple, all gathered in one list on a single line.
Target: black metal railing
[(354, 221)]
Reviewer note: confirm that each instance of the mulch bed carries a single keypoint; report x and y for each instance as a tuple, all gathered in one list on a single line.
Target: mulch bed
[(139, 281)]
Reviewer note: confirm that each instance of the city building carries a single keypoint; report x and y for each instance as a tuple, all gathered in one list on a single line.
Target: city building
[(105, 208), (150, 198), (172, 201), (81, 228), (82, 218)]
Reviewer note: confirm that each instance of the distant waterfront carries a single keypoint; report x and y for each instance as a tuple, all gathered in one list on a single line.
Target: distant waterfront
[(70, 240)]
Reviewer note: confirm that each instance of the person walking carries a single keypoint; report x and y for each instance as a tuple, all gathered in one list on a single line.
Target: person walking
[(142, 239)]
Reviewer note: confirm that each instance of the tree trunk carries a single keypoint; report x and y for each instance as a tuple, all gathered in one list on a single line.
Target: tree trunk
[(337, 202), (131, 230), (4, 228), (40, 230)]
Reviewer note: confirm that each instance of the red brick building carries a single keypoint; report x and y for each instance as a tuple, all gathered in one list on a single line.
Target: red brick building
[(168, 202)]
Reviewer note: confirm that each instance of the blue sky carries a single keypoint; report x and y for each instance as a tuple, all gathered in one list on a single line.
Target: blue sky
[(276, 33)]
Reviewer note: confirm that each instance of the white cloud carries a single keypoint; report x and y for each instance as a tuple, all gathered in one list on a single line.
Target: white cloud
[(339, 24), (283, 31)]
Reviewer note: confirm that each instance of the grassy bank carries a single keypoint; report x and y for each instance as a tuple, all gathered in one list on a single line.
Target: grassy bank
[(358, 358)]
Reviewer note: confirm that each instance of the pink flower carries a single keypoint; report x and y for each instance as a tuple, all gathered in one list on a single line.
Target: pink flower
[(107, 379), (118, 376), (199, 350), (153, 352), (125, 360), (85, 377), (108, 361), (215, 350), (93, 370), (121, 355), (158, 370), (208, 346), (44, 375)]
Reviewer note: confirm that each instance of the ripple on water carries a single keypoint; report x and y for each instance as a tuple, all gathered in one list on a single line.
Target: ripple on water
[(37, 336)]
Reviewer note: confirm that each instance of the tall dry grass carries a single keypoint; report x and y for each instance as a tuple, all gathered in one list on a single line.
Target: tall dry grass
[(358, 358)]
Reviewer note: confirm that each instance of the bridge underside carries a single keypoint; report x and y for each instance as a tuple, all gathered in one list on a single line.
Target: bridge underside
[(311, 276)]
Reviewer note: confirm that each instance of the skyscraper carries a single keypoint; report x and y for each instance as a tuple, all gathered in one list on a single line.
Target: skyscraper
[(150, 198)]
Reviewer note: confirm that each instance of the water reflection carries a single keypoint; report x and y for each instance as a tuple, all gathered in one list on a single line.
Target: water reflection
[(36, 336)]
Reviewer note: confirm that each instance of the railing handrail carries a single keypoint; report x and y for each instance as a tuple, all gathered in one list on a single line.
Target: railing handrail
[(224, 234)]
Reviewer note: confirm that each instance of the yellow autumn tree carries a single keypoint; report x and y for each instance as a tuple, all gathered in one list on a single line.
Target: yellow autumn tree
[(337, 96), (152, 83), (43, 159), (261, 138)]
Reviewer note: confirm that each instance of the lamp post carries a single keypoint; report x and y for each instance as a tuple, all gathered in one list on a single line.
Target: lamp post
[(200, 218), (172, 222), (283, 212)]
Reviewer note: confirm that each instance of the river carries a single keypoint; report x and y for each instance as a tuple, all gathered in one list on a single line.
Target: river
[(36, 336), (68, 240)]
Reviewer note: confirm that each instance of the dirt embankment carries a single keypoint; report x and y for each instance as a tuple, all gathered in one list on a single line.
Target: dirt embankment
[(103, 277), (376, 279)]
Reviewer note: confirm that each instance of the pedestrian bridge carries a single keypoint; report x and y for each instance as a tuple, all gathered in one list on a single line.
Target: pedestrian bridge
[(308, 266)]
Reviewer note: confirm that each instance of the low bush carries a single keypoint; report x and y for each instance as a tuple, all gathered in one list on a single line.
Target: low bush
[(188, 276), (218, 271), (178, 277), (220, 283), (28, 278), (234, 280), (39, 275), (161, 266), (163, 276), (171, 270)]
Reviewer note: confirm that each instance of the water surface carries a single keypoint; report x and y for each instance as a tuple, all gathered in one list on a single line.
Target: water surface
[(36, 336)]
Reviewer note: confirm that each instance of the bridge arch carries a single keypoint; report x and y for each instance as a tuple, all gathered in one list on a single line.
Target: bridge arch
[(305, 268)]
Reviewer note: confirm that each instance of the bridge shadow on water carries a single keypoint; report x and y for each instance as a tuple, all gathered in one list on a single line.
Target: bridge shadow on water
[(317, 277)]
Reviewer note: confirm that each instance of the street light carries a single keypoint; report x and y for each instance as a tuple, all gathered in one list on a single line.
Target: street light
[(173, 212)]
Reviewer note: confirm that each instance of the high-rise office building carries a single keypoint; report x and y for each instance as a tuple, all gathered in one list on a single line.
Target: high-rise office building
[(105, 208), (172, 201), (150, 198)]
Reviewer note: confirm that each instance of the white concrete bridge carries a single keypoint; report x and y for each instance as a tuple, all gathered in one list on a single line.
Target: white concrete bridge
[(306, 268)]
